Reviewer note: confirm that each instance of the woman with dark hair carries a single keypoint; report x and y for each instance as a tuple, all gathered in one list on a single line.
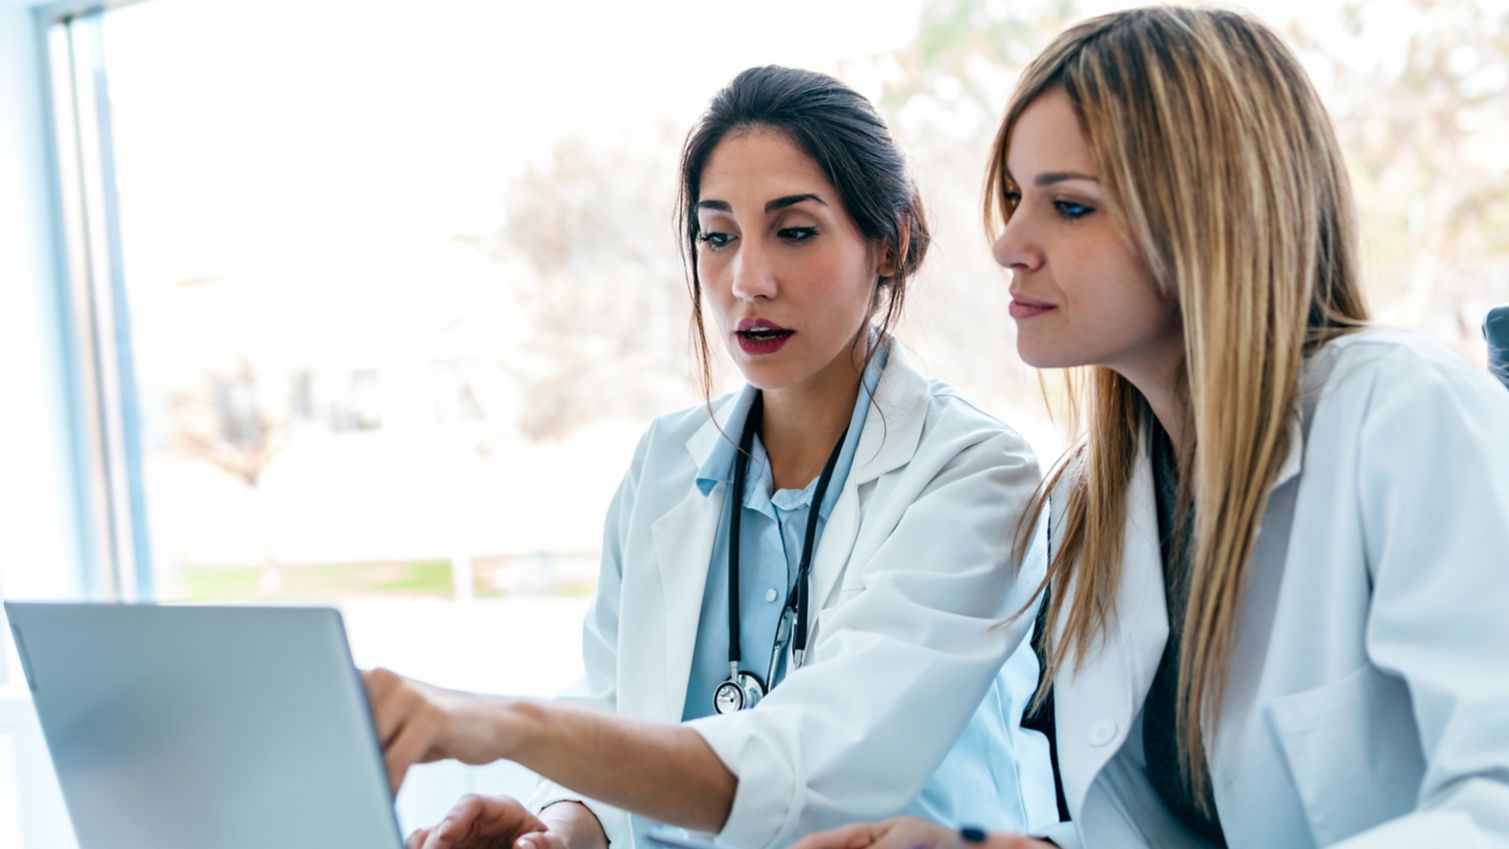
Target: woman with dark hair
[(796, 621)]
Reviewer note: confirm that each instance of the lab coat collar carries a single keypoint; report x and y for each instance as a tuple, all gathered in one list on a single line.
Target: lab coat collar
[(1313, 376), (1294, 460), (893, 426), (684, 536)]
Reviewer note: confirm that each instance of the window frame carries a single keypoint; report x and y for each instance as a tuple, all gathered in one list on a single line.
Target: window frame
[(115, 562)]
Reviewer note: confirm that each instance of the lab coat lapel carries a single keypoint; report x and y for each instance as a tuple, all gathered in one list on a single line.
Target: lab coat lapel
[(1261, 598), (892, 431), (1313, 379), (1141, 605), (1102, 698), (684, 539), (1108, 691), (1294, 460)]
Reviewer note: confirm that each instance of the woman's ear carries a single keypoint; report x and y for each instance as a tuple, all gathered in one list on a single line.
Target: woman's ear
[(893, 256)]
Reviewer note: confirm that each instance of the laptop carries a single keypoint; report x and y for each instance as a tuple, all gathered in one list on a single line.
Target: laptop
[(206, 727)]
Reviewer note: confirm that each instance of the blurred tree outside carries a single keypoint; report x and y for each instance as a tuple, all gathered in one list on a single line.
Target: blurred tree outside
[(232, 425), (1420, 93), (601, 286), (943, 97)]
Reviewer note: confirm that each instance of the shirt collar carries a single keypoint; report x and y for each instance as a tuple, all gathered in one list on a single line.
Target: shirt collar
[(719, 465)]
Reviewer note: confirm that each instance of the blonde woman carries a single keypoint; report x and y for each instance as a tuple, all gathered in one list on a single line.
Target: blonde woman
[(1279, 568)]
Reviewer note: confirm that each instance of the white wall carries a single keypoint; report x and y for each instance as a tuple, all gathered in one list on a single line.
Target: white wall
[(39, 543)]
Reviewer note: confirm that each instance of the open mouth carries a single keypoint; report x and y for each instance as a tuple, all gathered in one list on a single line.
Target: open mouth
[(765, 334), (758, 336)]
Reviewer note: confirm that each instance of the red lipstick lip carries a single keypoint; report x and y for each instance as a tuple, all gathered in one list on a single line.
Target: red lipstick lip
[(761, 347), (758, 324), (763, 343)]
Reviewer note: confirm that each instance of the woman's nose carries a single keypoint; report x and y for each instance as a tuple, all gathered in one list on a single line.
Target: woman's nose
[(1015, 249), (753, 276)]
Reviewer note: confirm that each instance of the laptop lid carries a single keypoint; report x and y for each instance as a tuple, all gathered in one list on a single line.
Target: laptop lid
[(197, 727)]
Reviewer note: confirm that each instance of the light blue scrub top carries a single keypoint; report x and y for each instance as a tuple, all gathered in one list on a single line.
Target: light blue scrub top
[(978, 781), (770, 538)]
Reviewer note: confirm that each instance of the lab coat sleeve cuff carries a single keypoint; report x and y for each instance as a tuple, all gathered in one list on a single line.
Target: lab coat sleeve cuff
[(614, 821), (759, 817), (1064, 835)]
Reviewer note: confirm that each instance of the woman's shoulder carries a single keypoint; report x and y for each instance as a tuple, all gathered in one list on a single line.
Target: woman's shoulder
[(1383, 362), (672, 441), (946, 413), (949, 434), (678, 426), (953, 413), (1395, 394)]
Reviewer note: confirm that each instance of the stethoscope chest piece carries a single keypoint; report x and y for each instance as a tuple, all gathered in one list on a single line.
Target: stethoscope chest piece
[(741, 692)]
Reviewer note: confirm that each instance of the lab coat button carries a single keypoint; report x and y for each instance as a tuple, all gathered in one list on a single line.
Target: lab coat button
[(1102, 732), (770, 594)]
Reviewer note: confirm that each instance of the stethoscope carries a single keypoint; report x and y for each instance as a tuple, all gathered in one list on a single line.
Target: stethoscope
[(743, 690)]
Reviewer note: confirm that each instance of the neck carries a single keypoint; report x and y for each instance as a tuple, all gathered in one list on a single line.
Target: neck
[(803, 422), (1158, 381)]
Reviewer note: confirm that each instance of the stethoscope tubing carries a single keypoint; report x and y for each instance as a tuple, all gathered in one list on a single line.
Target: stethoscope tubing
[(798, 599)]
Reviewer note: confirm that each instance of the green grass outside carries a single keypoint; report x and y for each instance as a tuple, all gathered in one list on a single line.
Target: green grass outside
[(322, 581), (332, 581)]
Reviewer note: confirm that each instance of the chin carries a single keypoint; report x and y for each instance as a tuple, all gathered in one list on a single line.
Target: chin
[(766, 377), (1030, 354), (1037, 357)]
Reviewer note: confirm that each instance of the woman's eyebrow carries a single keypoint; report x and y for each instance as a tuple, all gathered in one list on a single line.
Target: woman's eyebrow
[(1052, 177), (772, 206), (792, 200)]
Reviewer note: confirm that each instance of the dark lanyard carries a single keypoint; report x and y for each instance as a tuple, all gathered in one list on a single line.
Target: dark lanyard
[(796, 601)]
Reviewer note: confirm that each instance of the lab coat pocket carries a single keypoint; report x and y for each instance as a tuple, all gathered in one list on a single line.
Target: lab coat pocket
[(1353, 752)]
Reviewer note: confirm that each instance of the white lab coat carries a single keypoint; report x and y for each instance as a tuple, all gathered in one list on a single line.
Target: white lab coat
[(1368, 699), (910, 580)]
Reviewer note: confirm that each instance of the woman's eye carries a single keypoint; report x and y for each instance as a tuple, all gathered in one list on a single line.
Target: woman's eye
[(715, 240), (797, 234), (1072, 211)]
